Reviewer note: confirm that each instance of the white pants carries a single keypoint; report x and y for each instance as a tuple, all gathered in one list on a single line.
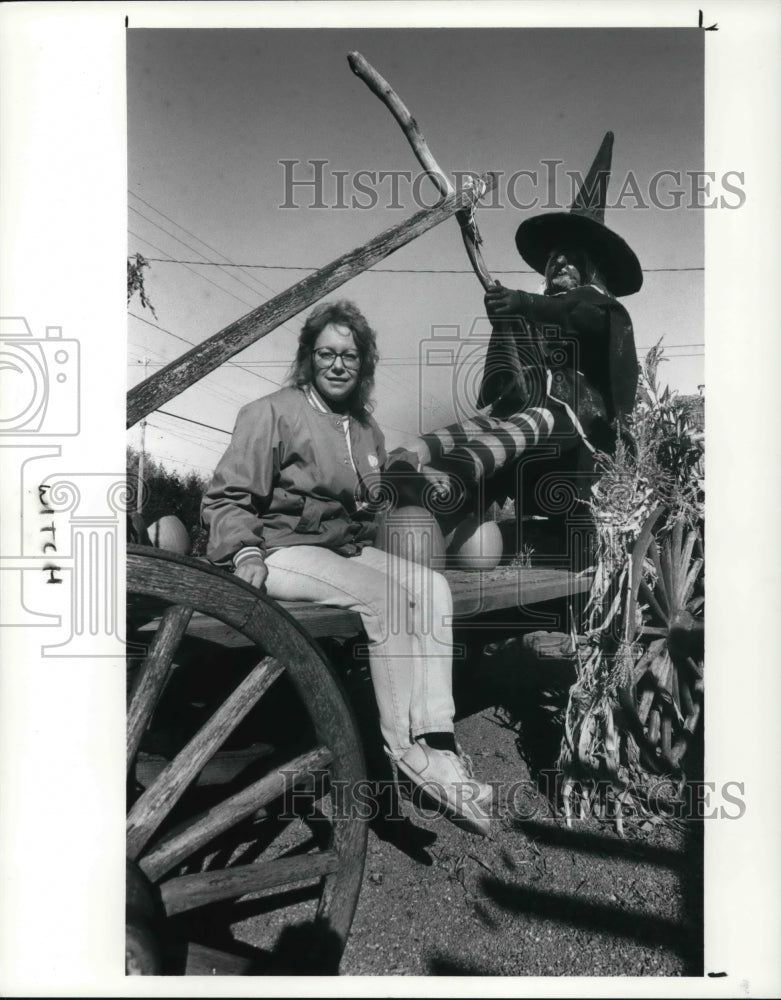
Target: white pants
[(406, 611)]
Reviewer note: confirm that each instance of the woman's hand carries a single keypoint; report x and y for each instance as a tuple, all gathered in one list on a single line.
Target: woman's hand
[(253, 569), (501, 301)]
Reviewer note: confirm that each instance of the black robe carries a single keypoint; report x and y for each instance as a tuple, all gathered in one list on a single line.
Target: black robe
[(575, 348), (584, 339)]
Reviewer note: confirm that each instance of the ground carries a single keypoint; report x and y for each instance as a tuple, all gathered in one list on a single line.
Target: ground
[(538, 900)]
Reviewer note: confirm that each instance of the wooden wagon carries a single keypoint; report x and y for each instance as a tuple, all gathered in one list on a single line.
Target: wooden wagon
[(244, 757)]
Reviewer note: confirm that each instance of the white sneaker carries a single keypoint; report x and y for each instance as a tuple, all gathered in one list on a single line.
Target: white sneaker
[(447, 778)]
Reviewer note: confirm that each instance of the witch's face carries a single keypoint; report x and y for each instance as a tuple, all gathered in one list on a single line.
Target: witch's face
[(564, 271)]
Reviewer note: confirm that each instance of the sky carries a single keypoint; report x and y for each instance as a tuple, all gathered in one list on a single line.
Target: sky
[(213, 113)]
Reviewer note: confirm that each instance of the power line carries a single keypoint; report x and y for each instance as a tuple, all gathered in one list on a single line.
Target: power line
[(226, 259), (166, 431), (210, 263), (193, 344), (181, 461), (228, 262), (377, 270), (401, 383), (189, 420), (202, 276)]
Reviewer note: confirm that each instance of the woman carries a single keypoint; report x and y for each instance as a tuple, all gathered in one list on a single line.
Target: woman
[(288, 509)]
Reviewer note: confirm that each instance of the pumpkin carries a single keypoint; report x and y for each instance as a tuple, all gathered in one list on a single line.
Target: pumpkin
[(475, 545), (169, 533)]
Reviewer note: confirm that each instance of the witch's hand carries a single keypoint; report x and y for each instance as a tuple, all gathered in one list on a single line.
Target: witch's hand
[(501, 301), (438, 483)]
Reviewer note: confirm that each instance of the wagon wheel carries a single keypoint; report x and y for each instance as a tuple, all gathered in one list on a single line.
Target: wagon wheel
[(667, 578), (184, 832)]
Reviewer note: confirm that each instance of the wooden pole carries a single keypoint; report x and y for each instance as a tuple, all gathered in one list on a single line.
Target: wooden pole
[(179, 375), (141, 457)]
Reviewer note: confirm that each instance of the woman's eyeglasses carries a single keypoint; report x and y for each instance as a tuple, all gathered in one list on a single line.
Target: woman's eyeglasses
[(325, 357)]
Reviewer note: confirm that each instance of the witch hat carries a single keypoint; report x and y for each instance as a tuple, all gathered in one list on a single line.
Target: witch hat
[(583, 228)]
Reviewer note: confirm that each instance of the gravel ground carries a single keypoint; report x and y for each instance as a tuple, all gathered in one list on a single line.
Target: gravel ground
[(537, 900)]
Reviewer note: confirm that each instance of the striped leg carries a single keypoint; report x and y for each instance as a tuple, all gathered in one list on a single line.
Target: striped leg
[(477, 448)]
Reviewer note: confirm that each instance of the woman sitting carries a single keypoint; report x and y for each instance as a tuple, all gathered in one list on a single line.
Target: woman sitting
[(289, 510)]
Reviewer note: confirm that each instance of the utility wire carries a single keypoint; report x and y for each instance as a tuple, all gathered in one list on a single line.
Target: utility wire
[(193, 344), (189, 420), (184, 437), (233, 295), (380, 270), (228, 262), (210, 263), (384, 368), (226, 259)]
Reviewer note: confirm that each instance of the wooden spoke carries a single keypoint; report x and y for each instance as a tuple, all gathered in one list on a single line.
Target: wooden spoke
[(647, 658), (638, 558), (666, 735), (158, 800), (688, 548), (661, 587), (203, 961), (153, 675), (654, 605), (694, 667), (224, 767), (689, 582), (182, 843), (695, 604), (191, 891), (675, 545), (667, 570), (687, 702)]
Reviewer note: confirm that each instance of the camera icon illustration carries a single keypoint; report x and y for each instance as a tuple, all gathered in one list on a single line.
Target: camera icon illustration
[(39, 381), (451, 372)]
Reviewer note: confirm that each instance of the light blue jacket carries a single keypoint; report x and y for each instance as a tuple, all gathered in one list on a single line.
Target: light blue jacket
[(295, 473)]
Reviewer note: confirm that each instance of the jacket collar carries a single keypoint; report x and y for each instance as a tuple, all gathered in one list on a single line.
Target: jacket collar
[(317, 402)]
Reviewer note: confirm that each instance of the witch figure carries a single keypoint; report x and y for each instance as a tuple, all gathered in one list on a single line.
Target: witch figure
[(559, 379)]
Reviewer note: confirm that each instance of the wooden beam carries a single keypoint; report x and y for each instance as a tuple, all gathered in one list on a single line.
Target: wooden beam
[(188, 892), (179, 375)]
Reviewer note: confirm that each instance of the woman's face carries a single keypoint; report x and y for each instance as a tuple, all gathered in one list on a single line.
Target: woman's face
[(336, 377)]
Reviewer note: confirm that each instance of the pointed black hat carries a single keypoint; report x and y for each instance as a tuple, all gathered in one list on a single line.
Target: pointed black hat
[(583, 228)]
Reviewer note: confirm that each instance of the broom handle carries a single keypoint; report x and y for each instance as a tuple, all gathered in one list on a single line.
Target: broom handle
[(409, 126)]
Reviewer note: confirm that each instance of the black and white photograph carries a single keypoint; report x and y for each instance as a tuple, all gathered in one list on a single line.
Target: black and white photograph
[(375, 515)]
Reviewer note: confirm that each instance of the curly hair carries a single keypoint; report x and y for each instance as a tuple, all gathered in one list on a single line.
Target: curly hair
[(342, 313)]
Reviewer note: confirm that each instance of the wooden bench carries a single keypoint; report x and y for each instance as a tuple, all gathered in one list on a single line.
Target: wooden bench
[(475, 593)]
